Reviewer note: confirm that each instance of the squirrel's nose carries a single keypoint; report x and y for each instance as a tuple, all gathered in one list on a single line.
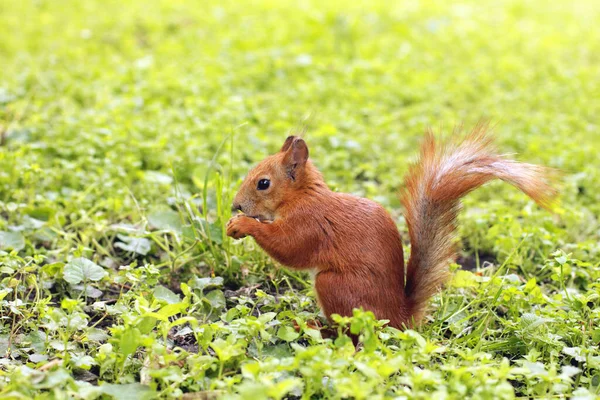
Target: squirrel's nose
[(236, 207)]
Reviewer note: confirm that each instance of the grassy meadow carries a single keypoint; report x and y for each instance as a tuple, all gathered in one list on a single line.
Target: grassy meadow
[(126, 128)]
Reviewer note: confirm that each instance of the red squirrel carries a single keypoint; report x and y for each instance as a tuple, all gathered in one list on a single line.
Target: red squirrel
[(353, 244)]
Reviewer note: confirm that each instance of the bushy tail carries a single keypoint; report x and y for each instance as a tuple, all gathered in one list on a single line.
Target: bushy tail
[(431, 199)]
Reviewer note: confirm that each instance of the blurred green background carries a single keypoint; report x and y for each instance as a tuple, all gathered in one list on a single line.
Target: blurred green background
[(86, 80), (126, 127)]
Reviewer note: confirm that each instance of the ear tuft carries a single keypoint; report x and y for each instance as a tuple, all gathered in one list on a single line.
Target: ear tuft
[(288, 142), (296, 156)]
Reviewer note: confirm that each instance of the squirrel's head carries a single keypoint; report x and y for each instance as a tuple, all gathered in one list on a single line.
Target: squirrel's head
[(273, 181)]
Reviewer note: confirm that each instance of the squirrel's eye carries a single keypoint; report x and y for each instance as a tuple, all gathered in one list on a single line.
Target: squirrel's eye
[(263, 184)]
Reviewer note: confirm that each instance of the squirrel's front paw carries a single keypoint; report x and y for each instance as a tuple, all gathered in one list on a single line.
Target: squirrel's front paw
[(239, 226)]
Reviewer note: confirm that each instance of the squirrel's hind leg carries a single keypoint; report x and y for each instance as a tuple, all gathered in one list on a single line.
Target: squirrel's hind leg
[(339, 293)]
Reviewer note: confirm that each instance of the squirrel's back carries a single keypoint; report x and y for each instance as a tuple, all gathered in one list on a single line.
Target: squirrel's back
[(356, 235)]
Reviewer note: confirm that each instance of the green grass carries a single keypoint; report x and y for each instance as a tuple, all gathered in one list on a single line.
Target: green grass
[(126, 127)]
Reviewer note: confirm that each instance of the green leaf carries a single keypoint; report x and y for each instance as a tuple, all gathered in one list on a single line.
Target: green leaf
[(130, 391), (135, 245), (83, 362), (146, 324), (37, 340), (281, 388), (97, 335), (11, 241), (464, 279), (166, 295), (167, 220), (216, 298), (129, 342), (212, 230), (266, 317), (287, 333), (569, 371), (54, 379), (4, 292), (53, 269), (574, 352), (530, 321), (225, 350), (171, 309), (82, 269), (596, 335), (206, 283), (37, 358), (157, 177)]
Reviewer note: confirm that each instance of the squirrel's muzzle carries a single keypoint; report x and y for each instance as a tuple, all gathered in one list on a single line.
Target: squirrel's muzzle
[(236, 207)]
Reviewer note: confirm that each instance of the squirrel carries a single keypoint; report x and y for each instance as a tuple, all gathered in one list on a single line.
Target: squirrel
[(353, 244)]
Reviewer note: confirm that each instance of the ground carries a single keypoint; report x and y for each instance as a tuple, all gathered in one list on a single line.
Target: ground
[(126, 127)]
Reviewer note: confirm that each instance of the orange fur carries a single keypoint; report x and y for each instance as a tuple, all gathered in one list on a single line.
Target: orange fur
[(353, 243)]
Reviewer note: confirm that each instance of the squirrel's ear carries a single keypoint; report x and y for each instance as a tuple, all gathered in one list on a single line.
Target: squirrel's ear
[(287, 143), (295, 157)]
